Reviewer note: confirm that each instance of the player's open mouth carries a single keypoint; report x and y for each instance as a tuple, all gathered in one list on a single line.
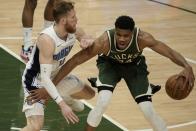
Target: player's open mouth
[(121, 44)]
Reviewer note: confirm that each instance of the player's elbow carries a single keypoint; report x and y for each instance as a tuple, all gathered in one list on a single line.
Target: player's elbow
[(44, 81)]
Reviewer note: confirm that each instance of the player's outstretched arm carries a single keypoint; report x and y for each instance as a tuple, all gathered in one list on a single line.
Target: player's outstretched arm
[(147, 40)]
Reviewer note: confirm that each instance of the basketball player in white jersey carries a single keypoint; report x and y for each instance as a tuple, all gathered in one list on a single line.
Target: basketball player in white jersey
[(48, 56)]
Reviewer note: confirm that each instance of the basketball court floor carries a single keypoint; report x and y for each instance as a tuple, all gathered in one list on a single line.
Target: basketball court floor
[(171, 21)]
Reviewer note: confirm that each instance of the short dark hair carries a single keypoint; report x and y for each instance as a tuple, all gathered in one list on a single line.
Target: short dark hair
[(61, 8), (125, 22)]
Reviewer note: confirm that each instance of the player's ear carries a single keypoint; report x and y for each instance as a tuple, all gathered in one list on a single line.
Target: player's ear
[(63, 20)]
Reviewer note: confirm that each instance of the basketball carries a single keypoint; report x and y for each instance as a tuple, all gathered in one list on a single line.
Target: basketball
[(174, 87)]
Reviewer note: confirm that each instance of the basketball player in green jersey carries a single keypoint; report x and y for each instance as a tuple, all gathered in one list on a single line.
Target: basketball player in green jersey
[(120, 57)]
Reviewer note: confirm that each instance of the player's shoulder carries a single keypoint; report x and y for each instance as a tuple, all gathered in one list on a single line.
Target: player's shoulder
[(104, 37), (103, 43), (103, 40), (144, 37), (143, 34), (44, 40)]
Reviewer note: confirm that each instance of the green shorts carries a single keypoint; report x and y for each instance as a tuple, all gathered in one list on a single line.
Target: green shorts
[(135, 75)]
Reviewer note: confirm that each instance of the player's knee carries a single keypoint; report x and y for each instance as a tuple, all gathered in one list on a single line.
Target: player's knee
[(36, 126), (31, 4), (51, 2), (102, 106), (70, 85), (104, 98)]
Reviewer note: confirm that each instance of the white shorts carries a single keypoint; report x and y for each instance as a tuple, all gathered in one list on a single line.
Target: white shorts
[(66, 87)]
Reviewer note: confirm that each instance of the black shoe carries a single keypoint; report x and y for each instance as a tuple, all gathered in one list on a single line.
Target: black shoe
[(93, 80), (155, 88)]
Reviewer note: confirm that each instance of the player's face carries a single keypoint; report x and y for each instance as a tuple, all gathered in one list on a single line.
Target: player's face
[(123, 37), (71, 21)]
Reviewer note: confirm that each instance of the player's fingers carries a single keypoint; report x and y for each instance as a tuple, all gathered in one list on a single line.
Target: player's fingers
[(34, 101), (35, 98), (73, 118), (185, 82), (191, 79), (181, 74), (189, 89), (36, 94), (46, 102), (191, 82), (66, 119), (33, 93), (30, 98)]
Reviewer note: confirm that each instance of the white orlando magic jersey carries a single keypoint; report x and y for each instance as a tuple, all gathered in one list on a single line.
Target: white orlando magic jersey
[(31, 75)]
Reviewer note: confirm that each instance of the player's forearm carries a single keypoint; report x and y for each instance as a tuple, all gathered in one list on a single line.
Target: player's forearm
[(179, 59), (48, 84), (84, 55), (166, 51)]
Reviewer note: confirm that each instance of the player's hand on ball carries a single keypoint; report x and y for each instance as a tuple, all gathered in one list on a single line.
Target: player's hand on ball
[(189, 75)]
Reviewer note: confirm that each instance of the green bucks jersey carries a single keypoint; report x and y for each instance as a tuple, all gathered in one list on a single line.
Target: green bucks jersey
[(129, 53)]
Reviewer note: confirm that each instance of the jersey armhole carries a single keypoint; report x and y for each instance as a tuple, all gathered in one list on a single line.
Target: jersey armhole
[(108, 34), (138, 30)]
